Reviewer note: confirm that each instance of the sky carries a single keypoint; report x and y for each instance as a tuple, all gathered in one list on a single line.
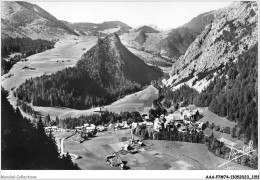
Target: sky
[(165, 15)]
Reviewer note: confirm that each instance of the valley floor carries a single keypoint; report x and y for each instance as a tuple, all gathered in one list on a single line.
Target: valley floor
[(156, 155)]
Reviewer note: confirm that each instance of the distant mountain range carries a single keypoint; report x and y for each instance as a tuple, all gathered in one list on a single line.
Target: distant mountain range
[(99, 29), (147, 29), (177, 40), (23, 19), (105, 73)]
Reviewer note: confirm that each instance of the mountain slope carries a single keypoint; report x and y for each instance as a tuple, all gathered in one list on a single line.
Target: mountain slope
[(233, 32), (147, 29), (177, 42), (105, 73), (199, 23), (179, 39), (233, 94), (23, 19)]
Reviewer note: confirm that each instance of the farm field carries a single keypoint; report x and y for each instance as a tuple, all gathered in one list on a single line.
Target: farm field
[(156, 155)]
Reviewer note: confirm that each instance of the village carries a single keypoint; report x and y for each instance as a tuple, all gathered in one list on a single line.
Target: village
[(186, 119)]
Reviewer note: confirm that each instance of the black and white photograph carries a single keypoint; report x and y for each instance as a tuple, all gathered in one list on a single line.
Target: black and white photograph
[(129, 86)]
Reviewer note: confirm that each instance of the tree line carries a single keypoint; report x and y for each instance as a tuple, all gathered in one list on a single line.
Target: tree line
[(26, 146), (69, 88), (25, 46), (234, 94)]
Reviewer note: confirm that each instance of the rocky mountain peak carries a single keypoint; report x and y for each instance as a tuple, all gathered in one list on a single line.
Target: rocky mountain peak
[(233, 32)]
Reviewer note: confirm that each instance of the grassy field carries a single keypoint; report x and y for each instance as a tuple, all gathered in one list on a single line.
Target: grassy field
[(156, 155), (222, 122), (213, 118), (237, 143)]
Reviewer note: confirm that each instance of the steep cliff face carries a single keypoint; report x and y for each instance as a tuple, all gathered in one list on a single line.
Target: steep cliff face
[(233, 31)]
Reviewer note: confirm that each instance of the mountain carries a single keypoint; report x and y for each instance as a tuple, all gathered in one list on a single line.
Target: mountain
[(147, 29), (97, 29), (177, 42), (23, 19), (179, 39), (105, 73), (199, 23), (141, 37), (232, 33)]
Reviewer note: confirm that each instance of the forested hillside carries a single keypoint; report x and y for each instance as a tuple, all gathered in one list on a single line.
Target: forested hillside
[(184, 95), (234, 93), (25, 46), (26, 147), (108, 71)]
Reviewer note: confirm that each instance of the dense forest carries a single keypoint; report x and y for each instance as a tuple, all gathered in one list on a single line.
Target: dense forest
[(184, 96), (233, 94), (26, 147), (6, 66), (107, 72), (25, 46)]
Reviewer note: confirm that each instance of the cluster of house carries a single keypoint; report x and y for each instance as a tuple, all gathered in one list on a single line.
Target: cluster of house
[(86, 128), (184, 119), (118, 125), (51, 128)]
